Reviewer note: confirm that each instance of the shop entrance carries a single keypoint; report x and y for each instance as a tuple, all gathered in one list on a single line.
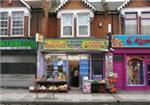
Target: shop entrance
[(74, 72), (78, 67)]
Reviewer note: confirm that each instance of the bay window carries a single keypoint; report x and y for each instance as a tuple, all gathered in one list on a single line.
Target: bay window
[(83, 25), (130, 23), (17, 23), (67, 25), (3, 23), (75, 23), (145, 23), (12, 22)]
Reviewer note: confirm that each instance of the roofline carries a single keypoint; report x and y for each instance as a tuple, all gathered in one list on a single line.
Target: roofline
[(26, 4), (123, 4), (66, 1)]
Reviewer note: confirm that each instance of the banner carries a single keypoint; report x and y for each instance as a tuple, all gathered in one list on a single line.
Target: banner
[(18, 44), (76, 44), (125, 41)]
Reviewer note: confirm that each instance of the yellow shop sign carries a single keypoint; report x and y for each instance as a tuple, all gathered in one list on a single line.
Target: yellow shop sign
[(76, 44)]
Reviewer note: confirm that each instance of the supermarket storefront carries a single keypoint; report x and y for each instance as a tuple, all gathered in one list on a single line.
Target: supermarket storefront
[(63, 56), (18, 62)]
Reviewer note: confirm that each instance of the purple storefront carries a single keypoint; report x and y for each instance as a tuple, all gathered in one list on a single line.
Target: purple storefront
[(131, 61)]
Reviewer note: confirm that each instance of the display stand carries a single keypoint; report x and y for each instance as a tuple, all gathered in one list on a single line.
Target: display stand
[(49, 83)]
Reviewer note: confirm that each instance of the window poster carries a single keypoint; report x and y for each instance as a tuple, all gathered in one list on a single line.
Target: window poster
[(135, 70), (108, 63)]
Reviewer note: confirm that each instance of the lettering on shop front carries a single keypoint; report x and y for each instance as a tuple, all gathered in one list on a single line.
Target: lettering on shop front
[(139, 41), (11, 44)]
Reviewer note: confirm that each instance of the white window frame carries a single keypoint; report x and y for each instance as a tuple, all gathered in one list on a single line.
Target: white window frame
[(139, 11), (65, 36), (88, 25), (5, 27), (75, 12), (144, 18), (17, 27), (16, 9)]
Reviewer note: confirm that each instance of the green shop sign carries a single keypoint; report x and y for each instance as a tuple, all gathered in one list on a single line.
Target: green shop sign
[(18, 44), (76, 44)]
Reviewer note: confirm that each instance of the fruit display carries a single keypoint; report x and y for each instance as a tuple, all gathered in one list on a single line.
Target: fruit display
[(59, 88)]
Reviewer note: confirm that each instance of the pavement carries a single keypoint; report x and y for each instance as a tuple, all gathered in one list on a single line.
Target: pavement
[(73, 97)]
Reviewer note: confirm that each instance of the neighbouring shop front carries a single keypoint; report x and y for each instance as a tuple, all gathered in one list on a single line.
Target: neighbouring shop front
[(18, 62), (72, 60), (131, 60)]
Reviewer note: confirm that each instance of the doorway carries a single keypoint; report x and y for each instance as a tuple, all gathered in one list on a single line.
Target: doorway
[(148, 73), (74, 70)]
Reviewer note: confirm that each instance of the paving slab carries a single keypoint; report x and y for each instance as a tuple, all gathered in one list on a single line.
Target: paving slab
[(18, 96)]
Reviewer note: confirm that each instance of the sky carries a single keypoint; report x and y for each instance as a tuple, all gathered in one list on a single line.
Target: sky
[(106, 0), (97, 0)]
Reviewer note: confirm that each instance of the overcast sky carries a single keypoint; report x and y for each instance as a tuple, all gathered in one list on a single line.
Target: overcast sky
[(106, 0), (94, 0)]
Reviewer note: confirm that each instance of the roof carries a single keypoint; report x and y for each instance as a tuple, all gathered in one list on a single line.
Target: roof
[(112, 6), (36, 4), (126, 2), (26, 4), (66, 1)]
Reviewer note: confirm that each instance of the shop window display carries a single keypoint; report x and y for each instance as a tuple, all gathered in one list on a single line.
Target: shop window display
[(56, 68), (135, 71)]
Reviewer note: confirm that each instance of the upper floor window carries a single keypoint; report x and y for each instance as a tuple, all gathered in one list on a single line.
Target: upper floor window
[(17, 23), (14, 22), (3, 23), (67, 25), (130, 23), (136, 21), (75, 23), (83, 26), (145, 23)]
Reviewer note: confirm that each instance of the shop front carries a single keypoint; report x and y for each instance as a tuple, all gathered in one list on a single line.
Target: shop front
[(131, 60), (72, 60), (18, 62)]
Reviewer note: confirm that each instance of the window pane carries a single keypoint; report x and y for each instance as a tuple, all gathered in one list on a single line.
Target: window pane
[(130, 16), (3, 16), (17, 15), (17, 31), (83, 19), (18, 18), (3, 31), (145, 15), (130, 27), (67, 20), (17, 23), (67, 30), (145, 27), (135, 71), (83, 30), (97, 64), (3, 24)]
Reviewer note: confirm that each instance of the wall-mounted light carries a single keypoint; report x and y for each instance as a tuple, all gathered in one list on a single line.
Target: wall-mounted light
[(100, 24), (10, 1)]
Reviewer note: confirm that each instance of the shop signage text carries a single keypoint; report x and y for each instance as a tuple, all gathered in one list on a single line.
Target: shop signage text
[(75, 44), (131, 41), (18, 44)]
